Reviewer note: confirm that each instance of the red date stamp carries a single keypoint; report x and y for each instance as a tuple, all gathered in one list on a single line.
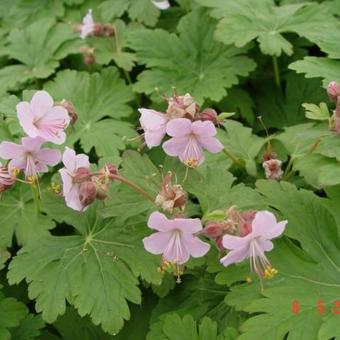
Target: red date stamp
[(320, 307)]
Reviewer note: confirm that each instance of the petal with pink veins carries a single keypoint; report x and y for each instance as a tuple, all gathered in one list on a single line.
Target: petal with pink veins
[(187, 225), (41, 103), (9, 150), (176, 145), (212, 144), (50, 157), (206, 128), (159, 221)]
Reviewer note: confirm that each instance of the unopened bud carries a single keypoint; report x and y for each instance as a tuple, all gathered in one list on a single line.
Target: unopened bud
[(209, 114), (182, 107), (102, 191), (333, 91), (334, 122), (213, 229), (87, 193), (103, 30), (219, 243), (110, 171), (6, 179), (272, 169), (81, 175), (70, 110)]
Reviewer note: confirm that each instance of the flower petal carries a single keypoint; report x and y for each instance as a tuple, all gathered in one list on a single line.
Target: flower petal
[(179, 127), (32, 144), (206, 128), (176, 145), (193, 152), (195, 246), (9, 150), (26, 118), (235, 256), (73, 161), (157, 242), (212, 144), (41, 103), (187, 225), (265, 225), (162, 5), (234, 242), (159, 221), (49, 157), (176, 250)]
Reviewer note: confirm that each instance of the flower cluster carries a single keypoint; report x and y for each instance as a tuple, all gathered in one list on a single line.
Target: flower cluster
[(190, 130), (243, 234), (42, 121), (333, 91)]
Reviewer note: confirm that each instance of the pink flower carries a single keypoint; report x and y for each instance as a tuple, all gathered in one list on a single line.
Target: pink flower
[(189, 139), (71, 186), (87, 28), (6, 179), (29, 156), (255, 244), (40, 118), (175, 238), (163, 4), (154, 126), (272, 168)]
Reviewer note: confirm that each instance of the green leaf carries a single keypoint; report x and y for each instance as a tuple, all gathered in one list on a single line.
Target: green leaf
[(191, 61), (19, 216), (11, 313), (246, 20), (143, 11), (240, 141), (45, 43), (114, 48), (29, 328), (95, 97), (95, 271), (174, 327), (316, 112), (318, 67)]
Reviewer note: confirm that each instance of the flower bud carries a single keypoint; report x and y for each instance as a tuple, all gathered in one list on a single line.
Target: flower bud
[(219, 243), (333, 91), (182, 107), (6, 179), (87, 193), (88, 55), (170, 196), (109, 170), (102, 191), (81, 175), (70, 109), (272, 169), (209, 114), (213, 229), (103, 30)]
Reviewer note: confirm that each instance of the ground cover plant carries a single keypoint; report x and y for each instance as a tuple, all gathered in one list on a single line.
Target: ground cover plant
[(170, 169)]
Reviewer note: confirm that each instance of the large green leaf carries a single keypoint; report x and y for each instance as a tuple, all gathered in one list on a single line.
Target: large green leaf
[(96, 271), (318, 67), (191, 61), (19, 216), (39, 47), (95, 97), (246, 20), (11, 313)]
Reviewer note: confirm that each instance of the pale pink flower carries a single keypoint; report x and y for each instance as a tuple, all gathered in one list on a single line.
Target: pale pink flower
[(182, 107), (162, 5), (6, 179), (71, 186), (154, 126), (175, 238), (29, 156), (88, 26), (189, 139), (255, 244), (40, 118)]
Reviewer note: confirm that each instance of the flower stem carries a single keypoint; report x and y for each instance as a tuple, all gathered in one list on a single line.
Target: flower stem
[(134, 187), (233, 158), (288, 172), (36, 199), (276, 72)]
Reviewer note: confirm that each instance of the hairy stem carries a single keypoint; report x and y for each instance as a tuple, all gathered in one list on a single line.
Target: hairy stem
[(134, 187), (276, 72)]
